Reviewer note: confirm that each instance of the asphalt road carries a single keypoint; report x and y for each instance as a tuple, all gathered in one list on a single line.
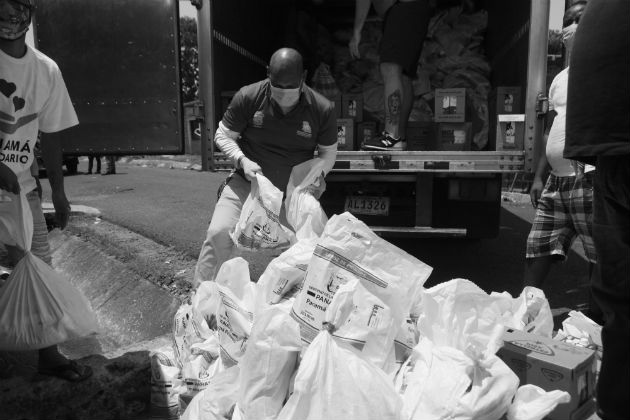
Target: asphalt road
[(173, 207)]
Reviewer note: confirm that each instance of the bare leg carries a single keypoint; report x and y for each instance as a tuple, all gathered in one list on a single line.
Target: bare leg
[(536, 270), (392, 77), (407, 104)]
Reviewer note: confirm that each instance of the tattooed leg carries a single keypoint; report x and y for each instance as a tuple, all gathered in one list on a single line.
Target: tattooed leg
[(392, 77), (407, 104)]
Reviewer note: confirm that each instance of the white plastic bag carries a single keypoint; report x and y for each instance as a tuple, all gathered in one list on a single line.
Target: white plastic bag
[(38, 306), (166, 384), (217, 401), (349, 249), (284, 276), (259, 223), (534, 403), (455, 372), (188, 329), (439, 382), (304, 213), (235, 312), (580, 330), (458, 313), (333, 382), (268, 364), (202, 365), (530, 312)]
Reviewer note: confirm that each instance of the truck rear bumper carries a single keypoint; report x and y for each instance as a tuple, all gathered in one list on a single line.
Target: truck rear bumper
[(419, 232)]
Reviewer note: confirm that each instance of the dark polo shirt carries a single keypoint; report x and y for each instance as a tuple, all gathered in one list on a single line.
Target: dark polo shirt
[(275, 141)]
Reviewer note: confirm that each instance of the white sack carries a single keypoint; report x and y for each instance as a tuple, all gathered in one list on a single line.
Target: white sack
[(166, 384), (284, 276), (458, 314), (304, 213), (259, 223), (580, 330), (439, 382), (202, 365), (268, 364), (235, 312), (38, 306), (333, 382), (534, 403), (348, 249), (217, 401), (187, 330), (530, 312)]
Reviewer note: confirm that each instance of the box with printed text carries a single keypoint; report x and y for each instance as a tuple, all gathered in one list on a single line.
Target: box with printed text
[(345, 134), (450, 105), (553, 364), (454, 136), (510, 134), (352, 106)]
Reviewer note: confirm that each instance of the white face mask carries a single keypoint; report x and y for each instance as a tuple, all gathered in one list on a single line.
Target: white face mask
[(286, 98), (568, 34)]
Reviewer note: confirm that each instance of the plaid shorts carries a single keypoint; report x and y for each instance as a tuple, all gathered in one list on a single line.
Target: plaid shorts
[(564, 212)]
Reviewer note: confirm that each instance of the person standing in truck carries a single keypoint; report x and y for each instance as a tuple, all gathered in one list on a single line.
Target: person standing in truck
[(33, 97), (269, 127), (564, 203), (405, 25), (598, 132)]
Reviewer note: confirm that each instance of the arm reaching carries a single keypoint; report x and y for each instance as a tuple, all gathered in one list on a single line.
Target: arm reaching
[(225, 139), (362, 7), (329, 155)]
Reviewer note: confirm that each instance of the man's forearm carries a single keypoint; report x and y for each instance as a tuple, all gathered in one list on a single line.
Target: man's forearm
[(53, 160)]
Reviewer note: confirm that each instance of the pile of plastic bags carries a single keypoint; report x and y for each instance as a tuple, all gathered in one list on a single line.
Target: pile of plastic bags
[(340, 326)]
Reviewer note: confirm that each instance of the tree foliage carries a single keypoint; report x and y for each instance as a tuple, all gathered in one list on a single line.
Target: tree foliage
[(188, 58), (555, 42)]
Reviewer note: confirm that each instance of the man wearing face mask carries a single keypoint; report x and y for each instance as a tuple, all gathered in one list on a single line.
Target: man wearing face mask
[(598, 132), (33, 98), (564, 206), (268, 128)]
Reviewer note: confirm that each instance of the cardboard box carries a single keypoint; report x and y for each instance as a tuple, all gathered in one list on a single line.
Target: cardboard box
[(506, 100), (366, 130), (421, 135), (450, 105), (552, 364), (345, 134), (352, 106), (453, 136), (510, 133)]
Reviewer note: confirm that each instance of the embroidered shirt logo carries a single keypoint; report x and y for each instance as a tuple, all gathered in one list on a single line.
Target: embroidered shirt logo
[(258, 119), (306, 130)]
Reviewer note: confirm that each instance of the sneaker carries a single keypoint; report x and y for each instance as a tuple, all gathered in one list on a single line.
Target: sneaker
[(384, 142)]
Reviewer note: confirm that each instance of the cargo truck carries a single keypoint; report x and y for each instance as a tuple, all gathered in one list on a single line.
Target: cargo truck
[(121, 64)]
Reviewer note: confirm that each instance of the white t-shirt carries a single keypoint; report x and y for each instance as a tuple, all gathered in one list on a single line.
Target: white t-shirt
[(33, 97), (555, 142)]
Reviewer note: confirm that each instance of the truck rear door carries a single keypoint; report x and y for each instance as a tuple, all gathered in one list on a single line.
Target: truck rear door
[(120, 62)]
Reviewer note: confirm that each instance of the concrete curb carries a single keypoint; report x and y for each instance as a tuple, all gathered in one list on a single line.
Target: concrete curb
[(136, 317), (162, 163)]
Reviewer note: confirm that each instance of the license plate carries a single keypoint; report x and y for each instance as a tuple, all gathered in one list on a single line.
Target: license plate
[(372, 206)]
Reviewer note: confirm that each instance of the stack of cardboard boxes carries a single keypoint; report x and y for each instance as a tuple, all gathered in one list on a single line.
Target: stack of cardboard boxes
[(507, 121), (451, 128)]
